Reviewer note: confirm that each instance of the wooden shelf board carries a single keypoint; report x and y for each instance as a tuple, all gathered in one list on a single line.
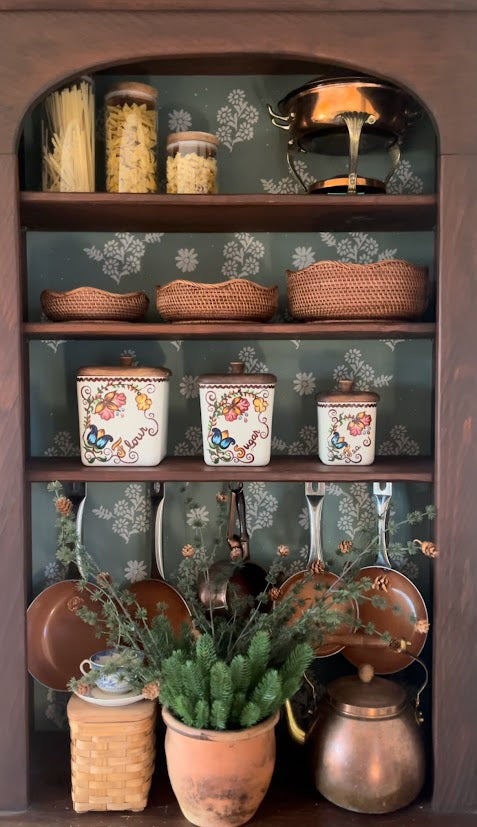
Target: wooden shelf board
[(227, 330), (280, 469), (225, 213)]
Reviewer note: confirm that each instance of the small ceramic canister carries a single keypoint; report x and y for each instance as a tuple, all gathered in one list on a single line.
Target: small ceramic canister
[(123, 414), (236, 411), (347, 425)]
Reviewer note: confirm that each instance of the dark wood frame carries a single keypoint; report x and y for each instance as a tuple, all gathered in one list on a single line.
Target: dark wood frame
[(427, 47)]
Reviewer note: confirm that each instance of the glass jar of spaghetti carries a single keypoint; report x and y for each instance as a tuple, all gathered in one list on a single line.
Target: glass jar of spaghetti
[(131, 138), (68, 138), (192, 162)]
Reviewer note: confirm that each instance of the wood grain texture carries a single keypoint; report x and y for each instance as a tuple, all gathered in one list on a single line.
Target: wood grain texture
[(13, 686), (241, 5), (455, 648), (226, 213), (78, 41), (194, 469)]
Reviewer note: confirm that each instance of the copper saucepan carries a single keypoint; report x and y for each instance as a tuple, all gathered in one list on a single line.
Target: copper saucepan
[(405, 614), (226, 578), (312, 583)]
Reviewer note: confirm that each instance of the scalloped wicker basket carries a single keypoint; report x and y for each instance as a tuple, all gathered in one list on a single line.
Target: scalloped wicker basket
[(388, 289), (234, 300), (85, 303)]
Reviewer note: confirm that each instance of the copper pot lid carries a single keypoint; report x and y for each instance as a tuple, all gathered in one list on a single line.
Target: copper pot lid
[(340, 80), (237, 376), (125, 368), (346, 393), (365, 696)]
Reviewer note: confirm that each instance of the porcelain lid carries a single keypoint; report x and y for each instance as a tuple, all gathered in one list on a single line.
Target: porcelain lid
[(237, 376), (125, 368), (346, 393), (366, 696)]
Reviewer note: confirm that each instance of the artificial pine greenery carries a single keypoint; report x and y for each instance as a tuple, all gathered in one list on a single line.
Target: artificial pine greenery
[(223, 671)]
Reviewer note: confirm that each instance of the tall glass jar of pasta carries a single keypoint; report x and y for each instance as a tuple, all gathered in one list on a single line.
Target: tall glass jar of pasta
[(68, 138), (131, 138)]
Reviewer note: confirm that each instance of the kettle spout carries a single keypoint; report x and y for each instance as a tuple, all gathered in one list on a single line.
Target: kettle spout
[(296, 732)]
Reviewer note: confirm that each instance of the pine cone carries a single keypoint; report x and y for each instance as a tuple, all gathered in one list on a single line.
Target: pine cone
[(428, 548), (103, 578), (275, 593), (82, 689), (283, 551), (188, 550), (236, 553), (221, 497), (317, 567), (345, 546), (422, 626), (151, 691), (381, 583), (64, 506)]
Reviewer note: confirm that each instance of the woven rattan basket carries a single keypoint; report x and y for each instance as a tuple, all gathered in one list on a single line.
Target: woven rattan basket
[(112, 755), (388, 289), (85, 303), (234, 300)]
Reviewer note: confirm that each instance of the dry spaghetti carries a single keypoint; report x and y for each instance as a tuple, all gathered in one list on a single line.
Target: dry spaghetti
[(68, 139)]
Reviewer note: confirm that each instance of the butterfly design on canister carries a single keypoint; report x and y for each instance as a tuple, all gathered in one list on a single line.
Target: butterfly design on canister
[(338, 441), (221, 438), (97, 438)]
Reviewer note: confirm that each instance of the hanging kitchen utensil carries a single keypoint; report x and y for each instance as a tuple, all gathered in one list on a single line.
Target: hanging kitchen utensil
[(57, 638), (345, 115), (405, 614), (154, 590), (225, 577), (314, 583)]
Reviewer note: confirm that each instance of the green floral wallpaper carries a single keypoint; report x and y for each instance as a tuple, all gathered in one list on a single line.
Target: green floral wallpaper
[(251, 158)]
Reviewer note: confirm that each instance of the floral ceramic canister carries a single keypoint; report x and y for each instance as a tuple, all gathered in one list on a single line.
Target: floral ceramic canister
[(347, 425), (123, 414), (236, 411)]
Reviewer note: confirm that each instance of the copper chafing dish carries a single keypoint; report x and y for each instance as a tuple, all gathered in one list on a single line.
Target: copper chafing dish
[(341, 116)]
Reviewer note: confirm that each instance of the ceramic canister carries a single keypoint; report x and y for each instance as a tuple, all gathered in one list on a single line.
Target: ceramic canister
[(123, 414), (347, 425), (236, 411)]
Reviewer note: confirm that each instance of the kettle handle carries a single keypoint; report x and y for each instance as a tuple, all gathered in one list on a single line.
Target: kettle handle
[(417, 710)]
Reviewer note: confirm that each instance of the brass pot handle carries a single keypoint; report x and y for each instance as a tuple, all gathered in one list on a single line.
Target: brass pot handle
[(275, 118)]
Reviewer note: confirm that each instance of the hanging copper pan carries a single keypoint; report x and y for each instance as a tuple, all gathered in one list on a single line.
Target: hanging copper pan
[(314, 582), (405, 614)]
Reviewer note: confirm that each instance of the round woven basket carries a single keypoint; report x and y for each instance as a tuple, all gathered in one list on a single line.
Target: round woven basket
[(234, 300), (85, 303), (388, 289)]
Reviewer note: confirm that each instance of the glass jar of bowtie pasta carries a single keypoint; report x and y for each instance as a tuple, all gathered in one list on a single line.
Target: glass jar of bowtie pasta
[(191, 162), (131, 138)]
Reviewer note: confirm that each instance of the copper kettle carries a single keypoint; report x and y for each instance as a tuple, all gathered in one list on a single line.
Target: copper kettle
[(366, 747)]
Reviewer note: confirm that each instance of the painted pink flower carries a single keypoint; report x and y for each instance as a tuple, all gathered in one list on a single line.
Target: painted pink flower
[(237, 406), (111, 403), (357, 425)]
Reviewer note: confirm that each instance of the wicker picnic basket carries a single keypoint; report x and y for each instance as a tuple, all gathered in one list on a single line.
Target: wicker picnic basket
[(112, 755), (85, 303), (388, 289), (233, 300)]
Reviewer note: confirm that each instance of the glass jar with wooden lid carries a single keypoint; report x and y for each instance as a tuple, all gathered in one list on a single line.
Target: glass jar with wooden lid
[(192, 162), (131, 137), (68, 138)]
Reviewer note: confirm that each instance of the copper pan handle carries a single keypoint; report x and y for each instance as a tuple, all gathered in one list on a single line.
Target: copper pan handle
[(275, 118), (370, 642)]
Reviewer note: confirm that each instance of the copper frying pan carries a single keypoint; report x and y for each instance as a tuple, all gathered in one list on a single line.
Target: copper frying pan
[(410, 622), (149, 593), (57, 639), (316, 582)]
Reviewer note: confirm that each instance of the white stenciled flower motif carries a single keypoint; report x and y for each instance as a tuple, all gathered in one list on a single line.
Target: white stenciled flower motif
[(304, 519), (236, 122), (306, 444), (54, 572), (248, 355), (198, 517), (357, 508), (130, 352), (189, 387), (242, 256), (176, 344), (53, 344), (278, 445), (186, 260), (261, 507), (63, 446), (410, 569), (392, 343), (135, 570), (130, 515), (302, 257), (357, 248), (360, 371), (288, 185), (192, 444), (404, 181), (179, 120), (304, 384), (399, 442), (122, 255)]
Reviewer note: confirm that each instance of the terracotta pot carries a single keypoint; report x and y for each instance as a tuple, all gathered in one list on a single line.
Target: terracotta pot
[(219, 777)]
